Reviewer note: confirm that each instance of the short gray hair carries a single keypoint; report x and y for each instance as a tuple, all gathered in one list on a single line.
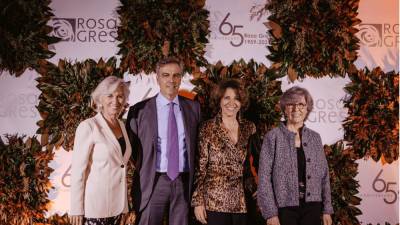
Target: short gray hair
[(292, 95), (108, 86), (168, 60)]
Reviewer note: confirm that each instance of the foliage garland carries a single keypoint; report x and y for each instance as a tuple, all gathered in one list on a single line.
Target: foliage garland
[(372, 125), (342, 171), (24, 180), (314, 38), (24, 36), (151, 30), (65, 98)]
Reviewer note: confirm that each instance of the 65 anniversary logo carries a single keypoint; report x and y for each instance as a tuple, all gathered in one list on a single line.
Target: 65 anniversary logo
[(237, 37)]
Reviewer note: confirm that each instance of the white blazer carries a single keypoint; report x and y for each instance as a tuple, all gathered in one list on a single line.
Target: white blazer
[(98, 170)]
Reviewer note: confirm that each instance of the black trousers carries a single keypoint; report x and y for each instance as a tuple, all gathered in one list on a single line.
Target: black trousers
[(308, 213), (220, 218)]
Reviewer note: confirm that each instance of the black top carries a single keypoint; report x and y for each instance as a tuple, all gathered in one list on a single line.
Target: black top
[(301, 166), (122, 143)]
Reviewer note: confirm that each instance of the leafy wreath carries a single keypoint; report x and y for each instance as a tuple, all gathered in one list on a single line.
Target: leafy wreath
[(314, 38), (24, 36), (372, 125), (24, 180), (65, 98), (158, 28)]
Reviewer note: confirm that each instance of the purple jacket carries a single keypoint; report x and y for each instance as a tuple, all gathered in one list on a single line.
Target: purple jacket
[(278, 173)]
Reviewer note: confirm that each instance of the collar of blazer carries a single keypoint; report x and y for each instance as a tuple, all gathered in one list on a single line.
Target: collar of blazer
[(108, 132), (185, 109), (286, 131)]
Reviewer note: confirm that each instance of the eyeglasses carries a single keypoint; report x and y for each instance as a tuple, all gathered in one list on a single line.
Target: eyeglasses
[(300, 106)]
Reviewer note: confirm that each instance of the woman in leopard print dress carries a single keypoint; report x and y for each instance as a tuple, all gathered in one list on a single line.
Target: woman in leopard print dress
[(223, 167)]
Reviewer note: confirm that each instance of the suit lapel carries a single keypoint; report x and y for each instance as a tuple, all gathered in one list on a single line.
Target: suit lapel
[(151, 114), (185, 118), (109, 134)]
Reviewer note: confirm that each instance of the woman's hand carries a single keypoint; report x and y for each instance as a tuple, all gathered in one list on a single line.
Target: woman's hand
[(326, 218), (76, 220), (200, 213), (130, 218), (273, 221), (124, 216)]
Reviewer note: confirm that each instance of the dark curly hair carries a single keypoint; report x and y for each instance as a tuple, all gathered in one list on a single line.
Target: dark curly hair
[(220, 89)]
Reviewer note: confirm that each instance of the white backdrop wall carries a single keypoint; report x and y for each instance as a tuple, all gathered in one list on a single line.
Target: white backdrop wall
[(88, 29)]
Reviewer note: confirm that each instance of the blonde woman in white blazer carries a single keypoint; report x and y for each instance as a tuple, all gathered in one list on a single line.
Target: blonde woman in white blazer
[(101, 153)]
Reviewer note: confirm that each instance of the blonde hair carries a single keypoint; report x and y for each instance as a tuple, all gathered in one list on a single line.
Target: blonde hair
[(106, 87)]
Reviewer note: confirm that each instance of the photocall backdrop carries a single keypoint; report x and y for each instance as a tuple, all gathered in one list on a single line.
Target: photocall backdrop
[(88, 30)]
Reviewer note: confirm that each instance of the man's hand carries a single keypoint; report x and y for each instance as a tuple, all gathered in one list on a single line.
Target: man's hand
[(200, 213)]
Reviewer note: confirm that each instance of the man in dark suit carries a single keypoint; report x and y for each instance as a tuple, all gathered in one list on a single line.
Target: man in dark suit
[(163, 133)]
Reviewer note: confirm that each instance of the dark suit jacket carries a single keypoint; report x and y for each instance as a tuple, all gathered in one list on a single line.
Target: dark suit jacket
[(142, 130)]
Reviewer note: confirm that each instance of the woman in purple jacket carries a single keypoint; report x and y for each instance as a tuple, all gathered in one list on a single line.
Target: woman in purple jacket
[(294, 187)]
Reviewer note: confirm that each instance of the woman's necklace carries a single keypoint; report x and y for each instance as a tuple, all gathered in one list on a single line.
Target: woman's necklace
[(232, 130)]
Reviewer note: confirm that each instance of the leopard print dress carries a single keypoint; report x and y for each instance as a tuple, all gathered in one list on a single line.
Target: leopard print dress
[(222, 167)]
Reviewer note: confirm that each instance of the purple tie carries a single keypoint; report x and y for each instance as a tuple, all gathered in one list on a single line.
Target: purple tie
[(172, 145)]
